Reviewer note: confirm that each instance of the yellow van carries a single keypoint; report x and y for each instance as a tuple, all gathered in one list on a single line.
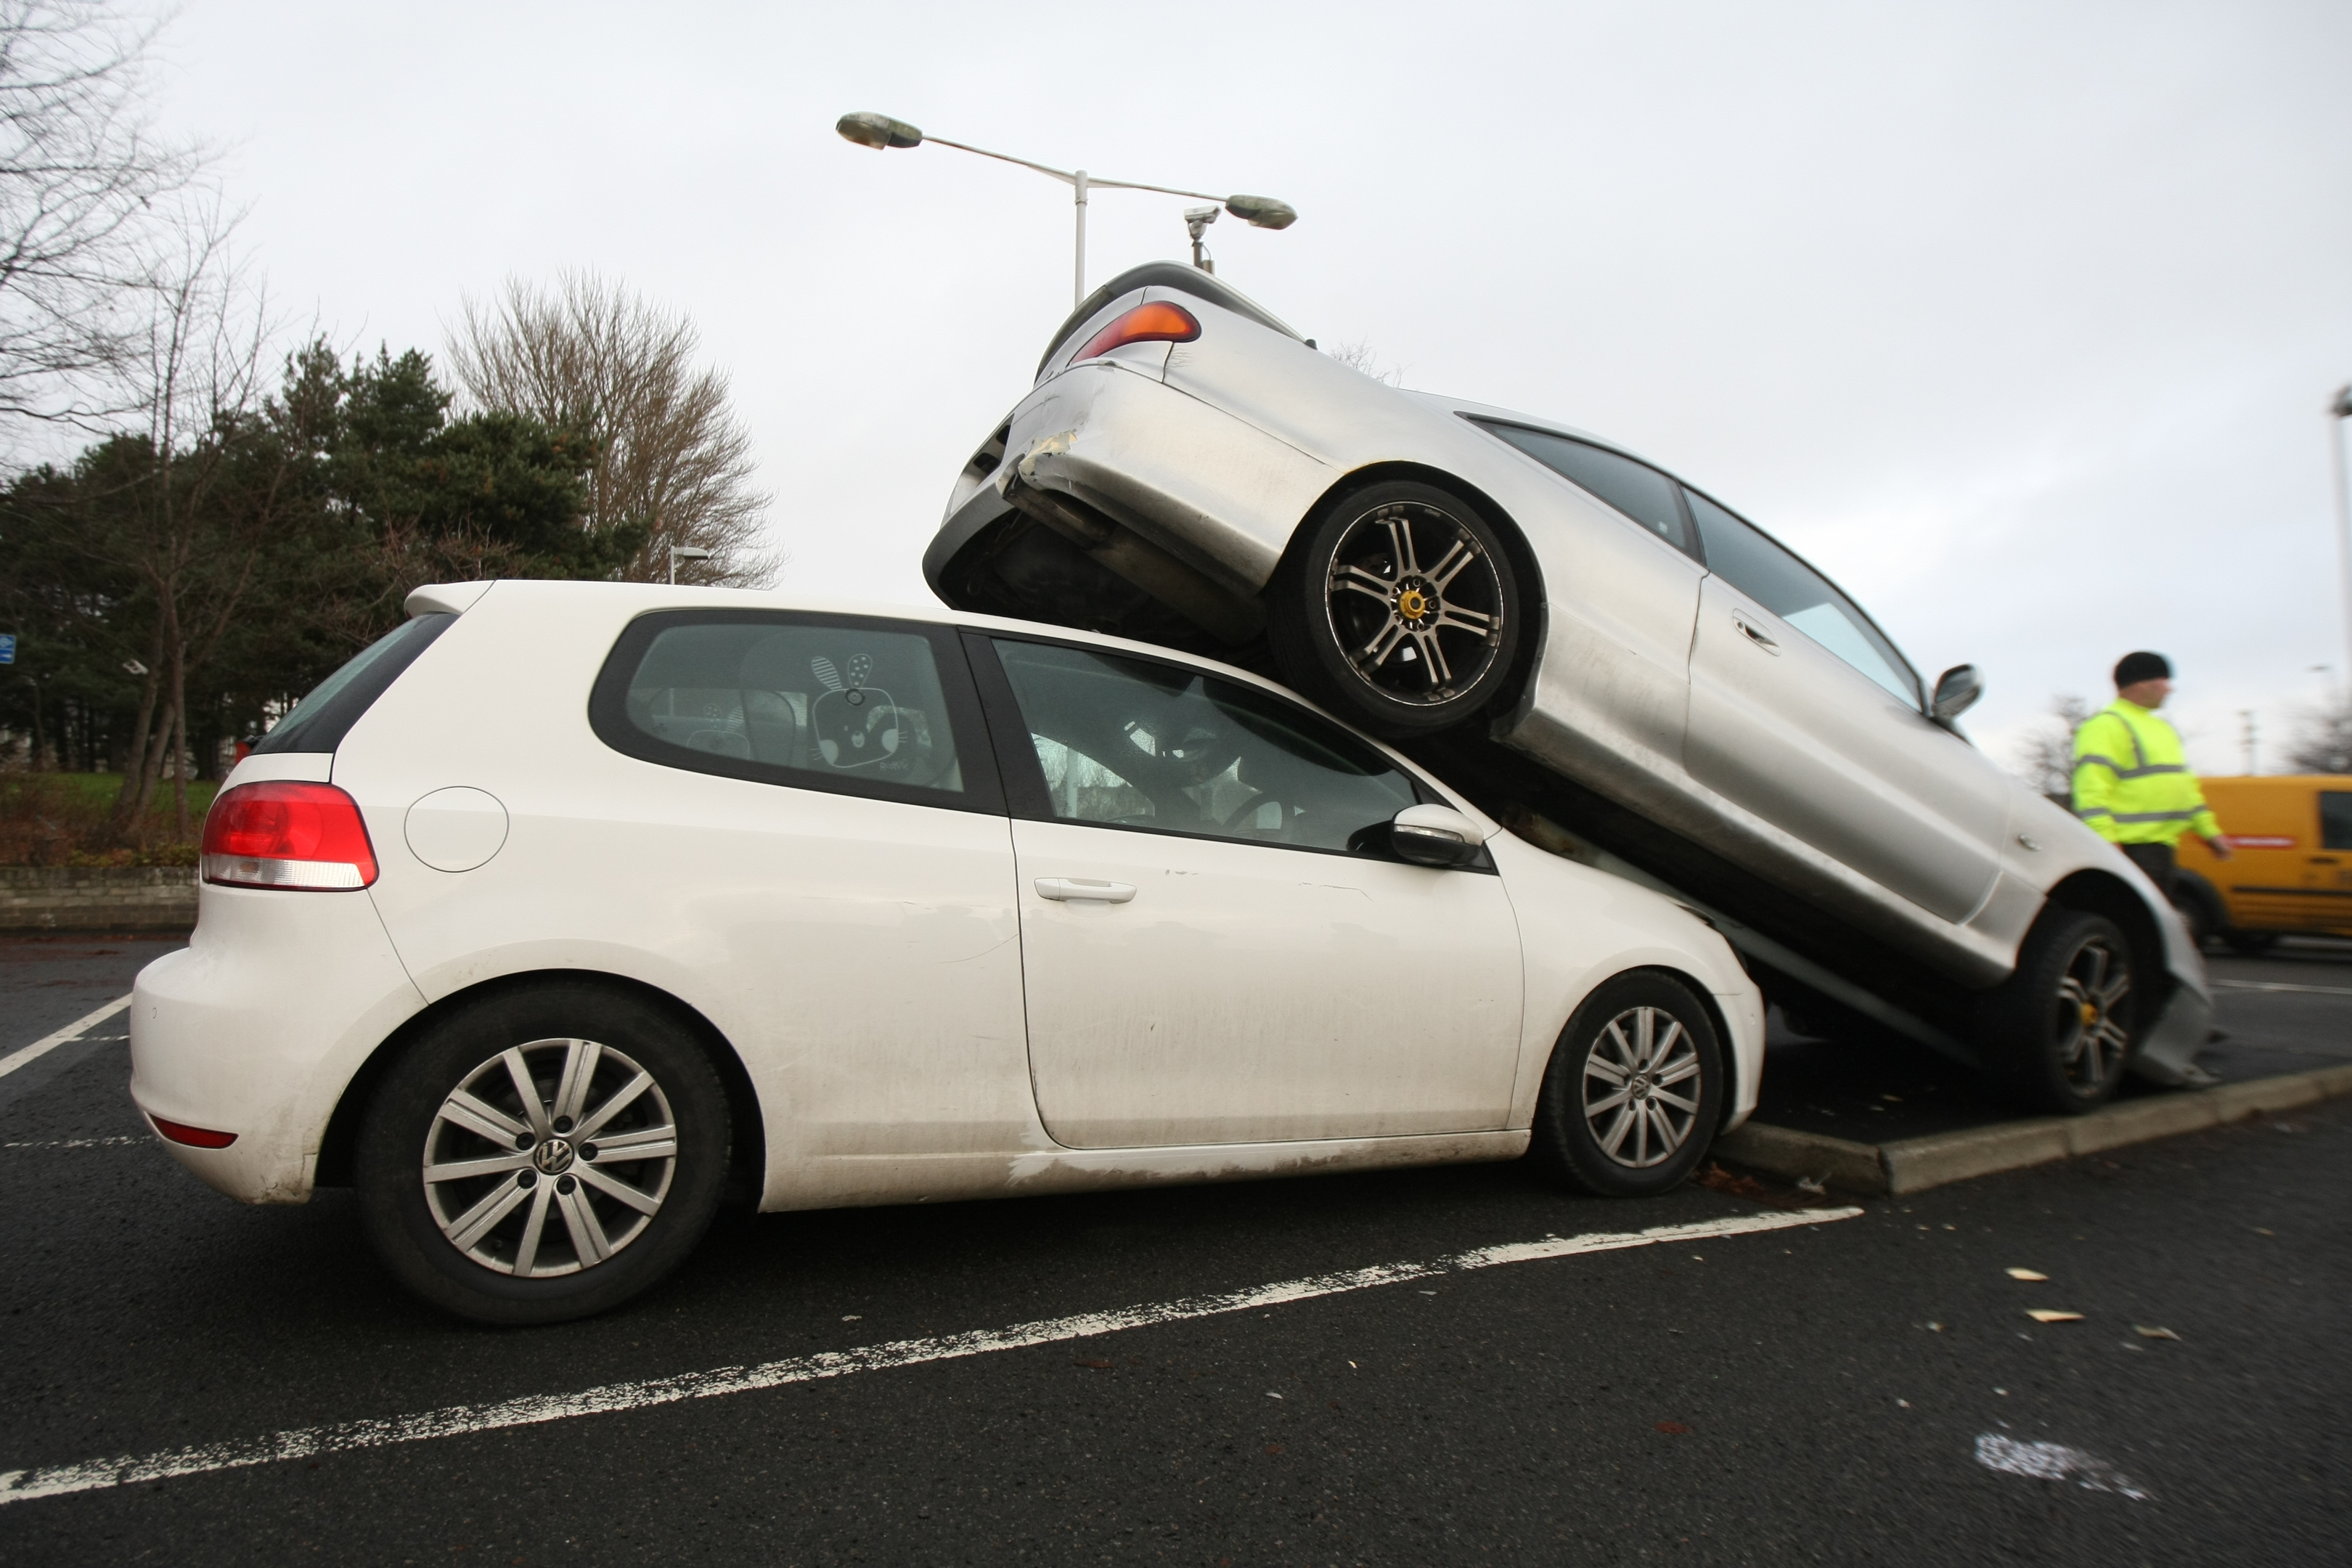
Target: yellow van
[(2291, 870)]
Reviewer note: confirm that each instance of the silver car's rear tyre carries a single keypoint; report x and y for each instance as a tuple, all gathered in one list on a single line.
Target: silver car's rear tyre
[(2059, 1032), (543, 1154), (1634, 1091), (1399, 610)]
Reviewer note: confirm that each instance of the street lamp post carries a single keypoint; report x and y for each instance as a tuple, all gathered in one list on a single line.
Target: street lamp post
[(2339, 409), (882, 132), (678, 552)]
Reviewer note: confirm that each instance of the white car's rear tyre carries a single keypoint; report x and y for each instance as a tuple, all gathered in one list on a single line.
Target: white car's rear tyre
[(1634, 1091), (2059, 1032), (1399, 610), (541, 1155)]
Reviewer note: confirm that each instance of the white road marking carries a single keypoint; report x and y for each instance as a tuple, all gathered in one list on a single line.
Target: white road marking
[(79, 1144), (42, 1047), (2283, 985), (95, 1475), (2054, 1462)]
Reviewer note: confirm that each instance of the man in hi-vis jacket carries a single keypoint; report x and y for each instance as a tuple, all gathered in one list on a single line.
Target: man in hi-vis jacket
[(2132, 782)]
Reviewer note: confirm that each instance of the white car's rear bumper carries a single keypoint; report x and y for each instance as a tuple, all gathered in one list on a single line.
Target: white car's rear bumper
[(257, 1027)]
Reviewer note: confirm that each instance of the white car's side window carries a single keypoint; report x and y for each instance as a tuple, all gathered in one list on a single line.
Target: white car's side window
[(1133, 743), (825, 703), (1742, 556)]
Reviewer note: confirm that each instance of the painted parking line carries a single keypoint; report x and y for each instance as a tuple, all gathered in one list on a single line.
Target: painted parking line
[(2283, 986), (79, 1144), (307, 1442), (44, 1046)]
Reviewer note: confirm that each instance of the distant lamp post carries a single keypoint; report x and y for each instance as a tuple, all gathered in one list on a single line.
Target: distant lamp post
[(678, 552), (882, 132), (2339, 409)]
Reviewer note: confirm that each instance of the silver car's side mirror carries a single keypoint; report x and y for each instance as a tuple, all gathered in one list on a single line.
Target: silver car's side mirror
[(1435, 835), (1956, 690)]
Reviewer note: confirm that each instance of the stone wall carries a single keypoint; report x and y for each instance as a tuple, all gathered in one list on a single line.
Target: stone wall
[(104, 898)]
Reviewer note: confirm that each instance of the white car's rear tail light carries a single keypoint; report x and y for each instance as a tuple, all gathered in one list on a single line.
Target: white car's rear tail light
[(1157, 322), (193, 1136), (307, 837)]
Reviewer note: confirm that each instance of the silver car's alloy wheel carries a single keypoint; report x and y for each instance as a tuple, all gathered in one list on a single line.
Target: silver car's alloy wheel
[(1415, 602), (1630, 1081), (2093, 1009), (549, 1157)]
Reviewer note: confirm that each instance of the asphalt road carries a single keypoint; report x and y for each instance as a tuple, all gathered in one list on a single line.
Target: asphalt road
[(1847, 1390)]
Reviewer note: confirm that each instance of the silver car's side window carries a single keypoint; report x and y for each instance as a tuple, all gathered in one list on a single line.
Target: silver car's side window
[(1742, 556), (1133, 743), (1638, 490)]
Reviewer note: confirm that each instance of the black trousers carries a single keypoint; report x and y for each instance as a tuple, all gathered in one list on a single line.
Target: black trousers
[(2155, 861)]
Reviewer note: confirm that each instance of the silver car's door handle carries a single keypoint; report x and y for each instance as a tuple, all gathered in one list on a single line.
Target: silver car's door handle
[(1064, 888), (1758, 639)]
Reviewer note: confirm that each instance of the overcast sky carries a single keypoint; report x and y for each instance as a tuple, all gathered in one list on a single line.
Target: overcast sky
[(2018, 320)]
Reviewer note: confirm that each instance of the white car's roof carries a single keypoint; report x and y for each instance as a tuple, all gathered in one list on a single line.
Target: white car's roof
[(457, 598)]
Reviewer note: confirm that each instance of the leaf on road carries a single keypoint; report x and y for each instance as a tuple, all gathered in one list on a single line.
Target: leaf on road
[(1674, 1429), (2024, 1274), (1274, 1448), (2147, 1333), (2044, 1315), (1095, 1362)]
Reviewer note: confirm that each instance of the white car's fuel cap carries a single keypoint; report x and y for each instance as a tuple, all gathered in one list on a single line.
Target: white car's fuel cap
[(457, 830)]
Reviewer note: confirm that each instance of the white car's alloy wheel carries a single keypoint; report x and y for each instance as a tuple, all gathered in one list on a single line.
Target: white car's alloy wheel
[(1639, 1098), (549, 1157), (1635, 1088)]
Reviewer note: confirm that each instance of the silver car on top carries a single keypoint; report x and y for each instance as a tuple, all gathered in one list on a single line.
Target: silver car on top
[(1610, 660)]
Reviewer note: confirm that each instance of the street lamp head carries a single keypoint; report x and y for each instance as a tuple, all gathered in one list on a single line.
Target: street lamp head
[(2342, 406), (1258, 212), (878, 130)]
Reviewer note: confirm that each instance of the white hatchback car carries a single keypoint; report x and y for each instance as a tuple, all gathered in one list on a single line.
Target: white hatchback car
[(566, 907)]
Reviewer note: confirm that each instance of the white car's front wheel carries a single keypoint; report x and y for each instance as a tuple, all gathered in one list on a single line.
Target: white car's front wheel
[(1399, 610), (1634, 1091), (543, 1155)]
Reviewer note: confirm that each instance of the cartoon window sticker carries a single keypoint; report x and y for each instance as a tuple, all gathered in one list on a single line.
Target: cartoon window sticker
[(856, 726)]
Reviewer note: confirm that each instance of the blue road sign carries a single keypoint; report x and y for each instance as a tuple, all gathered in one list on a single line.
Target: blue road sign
[(8, 647)]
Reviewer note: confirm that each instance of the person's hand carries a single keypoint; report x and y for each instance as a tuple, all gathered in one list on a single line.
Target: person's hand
[(2221, 847)]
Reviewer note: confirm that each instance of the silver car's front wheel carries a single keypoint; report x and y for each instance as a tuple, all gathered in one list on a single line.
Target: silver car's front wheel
[(544, 1152), (2061, 1030), (1399, 607), (549, 1157)]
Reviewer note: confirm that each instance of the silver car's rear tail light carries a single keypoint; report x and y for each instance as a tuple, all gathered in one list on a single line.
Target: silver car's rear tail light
[(1158, 321), (282, 834)]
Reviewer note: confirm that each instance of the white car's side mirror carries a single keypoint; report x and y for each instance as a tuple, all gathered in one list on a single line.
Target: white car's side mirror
[(1435, 835)]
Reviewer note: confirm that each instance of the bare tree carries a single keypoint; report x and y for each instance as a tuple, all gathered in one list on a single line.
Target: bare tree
[(170, 519), (2045, 756), (2323, 740), (1360, 356), (588, 355), (83, 183)]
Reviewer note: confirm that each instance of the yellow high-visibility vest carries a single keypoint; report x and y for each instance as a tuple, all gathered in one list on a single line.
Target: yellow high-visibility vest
[(2132, 782)]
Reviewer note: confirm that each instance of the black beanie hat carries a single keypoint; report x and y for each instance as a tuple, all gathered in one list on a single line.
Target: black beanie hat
[(2135, 667)]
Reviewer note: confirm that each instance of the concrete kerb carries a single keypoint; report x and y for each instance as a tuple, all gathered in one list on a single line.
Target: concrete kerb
[(1914, 1165)]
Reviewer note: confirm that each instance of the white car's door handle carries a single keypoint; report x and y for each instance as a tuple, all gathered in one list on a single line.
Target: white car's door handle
[(1064, 889), (1758, 639)]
